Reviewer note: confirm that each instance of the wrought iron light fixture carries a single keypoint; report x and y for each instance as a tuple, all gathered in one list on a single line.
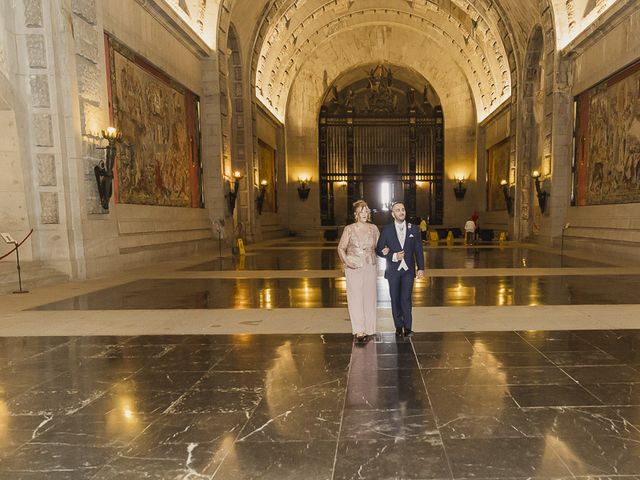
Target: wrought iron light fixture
[(104, 171), (261, 196), (542, 194), (459, 189), (233, 193), (507, 198), (303, 188)]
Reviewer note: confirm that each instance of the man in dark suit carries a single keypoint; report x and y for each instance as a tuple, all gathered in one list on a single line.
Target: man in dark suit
[(404, 253)]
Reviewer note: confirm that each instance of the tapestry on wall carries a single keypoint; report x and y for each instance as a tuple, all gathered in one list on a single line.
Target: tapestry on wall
[(267, 171), (497, 170), (607, 166), (158, 162)]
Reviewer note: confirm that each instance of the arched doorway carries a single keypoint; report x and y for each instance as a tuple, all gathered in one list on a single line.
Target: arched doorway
[(381, 133)]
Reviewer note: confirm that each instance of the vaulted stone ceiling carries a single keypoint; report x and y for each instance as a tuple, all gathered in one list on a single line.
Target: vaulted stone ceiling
[(485, 38), (200, 15), (472, 34)]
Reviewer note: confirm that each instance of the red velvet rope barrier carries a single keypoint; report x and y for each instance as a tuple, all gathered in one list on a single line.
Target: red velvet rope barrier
[(16, 246)]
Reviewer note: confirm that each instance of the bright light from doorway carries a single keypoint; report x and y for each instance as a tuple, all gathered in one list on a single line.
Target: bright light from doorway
[(385, 195)]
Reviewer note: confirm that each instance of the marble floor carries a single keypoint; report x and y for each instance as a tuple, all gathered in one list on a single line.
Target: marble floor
[(525, 364)]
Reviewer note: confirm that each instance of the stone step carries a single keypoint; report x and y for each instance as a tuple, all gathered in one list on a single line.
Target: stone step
[(34, 274)]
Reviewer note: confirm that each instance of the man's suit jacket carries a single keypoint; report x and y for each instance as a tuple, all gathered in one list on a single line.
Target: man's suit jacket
[(413, 254)]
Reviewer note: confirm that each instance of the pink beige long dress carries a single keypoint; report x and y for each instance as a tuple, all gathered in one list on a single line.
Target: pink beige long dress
[(357, 248)]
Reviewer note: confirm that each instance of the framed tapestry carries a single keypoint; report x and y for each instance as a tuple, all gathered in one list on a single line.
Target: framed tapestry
[(497, 170), (159, 161), (606, 167), (267, 171)]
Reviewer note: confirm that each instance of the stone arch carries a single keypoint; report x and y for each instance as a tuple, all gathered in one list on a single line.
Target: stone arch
[(282, 19), (327, 63)]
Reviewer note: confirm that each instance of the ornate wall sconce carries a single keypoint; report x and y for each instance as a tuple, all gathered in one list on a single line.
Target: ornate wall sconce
[(542, 194), (507, 198), (104, 171), (261, 196), (233, 192), (459, 189), (303, 188)]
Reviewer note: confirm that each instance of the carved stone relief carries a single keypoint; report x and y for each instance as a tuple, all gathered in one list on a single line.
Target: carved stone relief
[(36, 51), (46, 170), (33, 13), (49, 208)]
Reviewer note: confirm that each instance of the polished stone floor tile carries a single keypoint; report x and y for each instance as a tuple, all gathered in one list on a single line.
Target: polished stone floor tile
[(496, 375), (449, 346), (615, 393), (510, 457), (507, 422), (578, 359), (553, 396), (611, 374), (384, 425), (211, 401), (599, 455), (44, 459), (515, 359), (278, 461), (391, 459), (321, 407), (452, 402), (580, 422), (299, 423), (173, 460)]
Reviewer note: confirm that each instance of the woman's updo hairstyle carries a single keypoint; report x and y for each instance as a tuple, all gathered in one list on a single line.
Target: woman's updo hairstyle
[(357, 206)]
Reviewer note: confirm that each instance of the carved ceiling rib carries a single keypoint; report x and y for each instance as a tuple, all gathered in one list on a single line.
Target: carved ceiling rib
[(293, 29), (476, 67)]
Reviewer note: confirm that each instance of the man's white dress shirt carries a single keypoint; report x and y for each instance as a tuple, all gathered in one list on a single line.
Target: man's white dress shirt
[(401, 231)]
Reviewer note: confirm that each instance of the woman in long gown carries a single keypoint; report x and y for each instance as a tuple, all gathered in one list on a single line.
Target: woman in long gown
[(357, 251)]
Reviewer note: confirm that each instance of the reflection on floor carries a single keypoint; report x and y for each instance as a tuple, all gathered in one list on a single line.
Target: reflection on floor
[(560, 404), (457, 404), (331, 292), (322, 258)]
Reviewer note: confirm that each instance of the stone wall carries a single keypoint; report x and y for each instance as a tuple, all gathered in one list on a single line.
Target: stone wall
[(58, 79), (112, 240), (606, 229)]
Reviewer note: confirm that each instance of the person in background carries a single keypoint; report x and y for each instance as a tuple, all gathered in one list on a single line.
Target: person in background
[(476, 219), (357, 250), (469, 231), (423, 229)]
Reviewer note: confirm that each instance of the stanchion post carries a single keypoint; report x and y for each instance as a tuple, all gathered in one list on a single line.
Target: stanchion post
[(19, 272), (16, 246), (567, 225)]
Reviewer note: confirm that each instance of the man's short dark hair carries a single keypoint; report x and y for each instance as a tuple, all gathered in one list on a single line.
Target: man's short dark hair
[(393, 204)]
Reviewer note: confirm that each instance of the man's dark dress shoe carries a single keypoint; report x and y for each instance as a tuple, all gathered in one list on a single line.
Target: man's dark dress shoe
[(399, 332), (408, 332)]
